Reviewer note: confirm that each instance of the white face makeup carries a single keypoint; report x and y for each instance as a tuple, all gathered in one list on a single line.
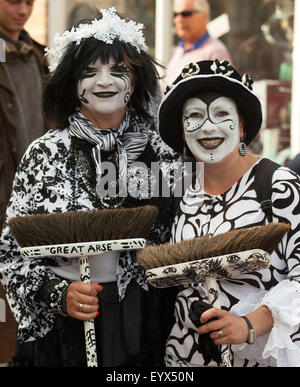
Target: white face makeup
[(211, 130), (104, 89)]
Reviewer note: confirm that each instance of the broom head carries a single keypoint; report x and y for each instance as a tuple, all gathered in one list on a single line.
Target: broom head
[(221, 256), (83, 226)]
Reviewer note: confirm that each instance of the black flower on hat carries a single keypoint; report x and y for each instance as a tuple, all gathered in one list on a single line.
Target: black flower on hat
[(223, 67), (247, 81), (189, 70), (168, 88)]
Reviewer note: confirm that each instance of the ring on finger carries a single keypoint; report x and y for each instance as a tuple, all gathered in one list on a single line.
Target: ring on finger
[(220, 333), (81, 307)]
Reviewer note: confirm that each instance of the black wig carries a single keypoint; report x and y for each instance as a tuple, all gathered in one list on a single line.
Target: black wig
[(60, 98)]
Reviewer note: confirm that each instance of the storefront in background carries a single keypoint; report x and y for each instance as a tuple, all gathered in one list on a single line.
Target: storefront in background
[(261, 42)]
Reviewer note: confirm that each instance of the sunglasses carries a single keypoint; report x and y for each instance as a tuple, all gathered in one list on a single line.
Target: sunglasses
[(184, 13)]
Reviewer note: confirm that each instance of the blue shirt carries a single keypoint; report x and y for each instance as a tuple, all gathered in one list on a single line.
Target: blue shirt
[(197, 44)]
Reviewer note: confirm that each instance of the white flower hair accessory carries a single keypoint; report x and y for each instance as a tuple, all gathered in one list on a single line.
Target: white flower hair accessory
[(107, 29)]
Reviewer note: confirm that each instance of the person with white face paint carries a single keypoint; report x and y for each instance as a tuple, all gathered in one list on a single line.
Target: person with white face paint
[(211, 127), (104, 90), (102, 81), (210, 114)]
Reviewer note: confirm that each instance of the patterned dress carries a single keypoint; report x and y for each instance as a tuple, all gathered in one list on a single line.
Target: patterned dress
[(276, 287), (57, 174)]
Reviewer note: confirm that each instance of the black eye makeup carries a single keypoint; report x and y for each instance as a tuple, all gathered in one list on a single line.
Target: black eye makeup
[(195, 119), (120, 69), (89, 72), (222, 113), (117, 70)]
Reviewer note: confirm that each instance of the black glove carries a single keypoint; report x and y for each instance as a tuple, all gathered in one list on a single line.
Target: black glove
[(206, 347)]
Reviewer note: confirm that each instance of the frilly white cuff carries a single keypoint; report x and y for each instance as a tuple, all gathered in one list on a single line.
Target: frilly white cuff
[(277, 347), (107, 29)]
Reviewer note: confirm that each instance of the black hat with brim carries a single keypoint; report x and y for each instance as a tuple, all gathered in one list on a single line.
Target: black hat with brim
[(207, 76)]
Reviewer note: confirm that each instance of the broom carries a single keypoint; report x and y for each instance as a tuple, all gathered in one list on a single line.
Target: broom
[(83, 234), (211, 258)]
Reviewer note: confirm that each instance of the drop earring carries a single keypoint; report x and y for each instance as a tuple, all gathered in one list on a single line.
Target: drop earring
[(242, 147)]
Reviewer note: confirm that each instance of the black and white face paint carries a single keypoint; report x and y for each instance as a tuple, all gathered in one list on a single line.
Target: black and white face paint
[(211, 127), (105, 88)]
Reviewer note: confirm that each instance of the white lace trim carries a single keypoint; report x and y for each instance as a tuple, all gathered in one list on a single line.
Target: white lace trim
[(277, 347), (107, 29)]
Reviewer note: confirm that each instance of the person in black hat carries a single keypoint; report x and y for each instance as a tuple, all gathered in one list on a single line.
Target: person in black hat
[(211, 112)]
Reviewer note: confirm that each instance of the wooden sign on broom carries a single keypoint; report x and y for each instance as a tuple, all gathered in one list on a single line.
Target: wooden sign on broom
[(82, 234), (211, 258)]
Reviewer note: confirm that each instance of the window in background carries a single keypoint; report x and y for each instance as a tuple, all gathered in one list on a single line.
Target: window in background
[(260, 42)]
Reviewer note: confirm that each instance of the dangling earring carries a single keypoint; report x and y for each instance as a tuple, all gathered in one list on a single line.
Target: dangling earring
[(242, 147)]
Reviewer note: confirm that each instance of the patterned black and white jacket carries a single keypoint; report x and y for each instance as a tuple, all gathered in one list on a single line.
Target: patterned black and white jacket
[(57, 174), (277, 287)]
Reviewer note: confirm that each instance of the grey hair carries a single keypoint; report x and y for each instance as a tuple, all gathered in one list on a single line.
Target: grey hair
[(203, 6)]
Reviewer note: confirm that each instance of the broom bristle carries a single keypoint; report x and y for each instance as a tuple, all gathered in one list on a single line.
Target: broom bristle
[(83, 226), (260, 237)]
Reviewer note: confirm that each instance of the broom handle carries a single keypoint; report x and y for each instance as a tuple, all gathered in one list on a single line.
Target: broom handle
[(89, 326), (213, 297)]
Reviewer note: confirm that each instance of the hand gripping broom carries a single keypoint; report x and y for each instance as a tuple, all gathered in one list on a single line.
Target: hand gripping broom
[(82, 234), (211, 258)]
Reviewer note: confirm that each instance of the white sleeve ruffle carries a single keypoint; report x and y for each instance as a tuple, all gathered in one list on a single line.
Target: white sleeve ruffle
[(275, 348)]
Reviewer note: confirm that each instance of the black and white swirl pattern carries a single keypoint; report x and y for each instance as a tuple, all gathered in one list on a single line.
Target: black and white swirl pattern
[(237, 207)]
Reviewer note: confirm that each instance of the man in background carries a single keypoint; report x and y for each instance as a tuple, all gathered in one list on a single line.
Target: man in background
[(190, 18), (21, 120)]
